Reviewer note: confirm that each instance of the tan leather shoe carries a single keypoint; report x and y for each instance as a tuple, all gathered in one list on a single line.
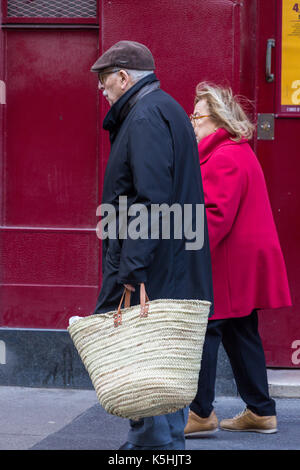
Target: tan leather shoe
[(198, 427), (249, 421)]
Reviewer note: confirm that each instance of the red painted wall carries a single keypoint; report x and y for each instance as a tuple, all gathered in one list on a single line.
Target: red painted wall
[(55, 150), (190, 40), (50, 259)]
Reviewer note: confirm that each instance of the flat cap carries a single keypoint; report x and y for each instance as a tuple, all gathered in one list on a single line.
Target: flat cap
[(127, 55)]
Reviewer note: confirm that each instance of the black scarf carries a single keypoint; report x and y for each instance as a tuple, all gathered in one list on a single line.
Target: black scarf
[(121, 108)]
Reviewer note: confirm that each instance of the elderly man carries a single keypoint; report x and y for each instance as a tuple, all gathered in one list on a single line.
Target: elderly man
[(153, 161)]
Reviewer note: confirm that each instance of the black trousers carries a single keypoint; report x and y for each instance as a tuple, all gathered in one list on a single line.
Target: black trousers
[(242, 343)]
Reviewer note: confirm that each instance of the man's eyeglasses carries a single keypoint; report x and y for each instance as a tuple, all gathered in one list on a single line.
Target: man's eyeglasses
[(101, 75), (197, 116)]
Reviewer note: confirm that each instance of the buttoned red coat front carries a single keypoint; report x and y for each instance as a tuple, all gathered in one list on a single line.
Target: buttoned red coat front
[(247, 262)]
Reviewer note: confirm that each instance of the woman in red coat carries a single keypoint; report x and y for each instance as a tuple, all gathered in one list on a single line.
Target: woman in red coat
[(247, 263)]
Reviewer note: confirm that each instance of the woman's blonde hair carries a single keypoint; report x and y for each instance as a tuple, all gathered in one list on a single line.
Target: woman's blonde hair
[(226, 110)]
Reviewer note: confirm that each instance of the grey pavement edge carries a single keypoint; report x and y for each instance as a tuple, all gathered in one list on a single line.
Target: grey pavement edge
[(60, 419)]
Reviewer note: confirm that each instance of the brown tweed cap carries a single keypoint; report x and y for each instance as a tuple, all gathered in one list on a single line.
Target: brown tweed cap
[(127, 55)]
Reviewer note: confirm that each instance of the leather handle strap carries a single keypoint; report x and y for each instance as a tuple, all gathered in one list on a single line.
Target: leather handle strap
[(143, 299), (127, 294), (127, 298)]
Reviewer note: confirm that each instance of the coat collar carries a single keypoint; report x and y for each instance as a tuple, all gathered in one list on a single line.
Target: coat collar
[(116, 114), (209, 144)]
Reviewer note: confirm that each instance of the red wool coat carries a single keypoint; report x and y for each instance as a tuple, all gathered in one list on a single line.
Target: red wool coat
[(247, 263)]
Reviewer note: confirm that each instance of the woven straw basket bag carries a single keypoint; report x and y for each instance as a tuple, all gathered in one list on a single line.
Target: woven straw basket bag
[(144, 360)]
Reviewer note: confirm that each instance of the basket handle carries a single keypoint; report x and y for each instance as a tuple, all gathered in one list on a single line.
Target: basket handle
[(143, 299), (118, 315), (127, 294)]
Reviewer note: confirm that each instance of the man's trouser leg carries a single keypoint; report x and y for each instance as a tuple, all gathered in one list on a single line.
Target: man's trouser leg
[(165, 431)]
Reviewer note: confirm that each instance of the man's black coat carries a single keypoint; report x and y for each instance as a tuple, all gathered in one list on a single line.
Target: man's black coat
[(153, 160)]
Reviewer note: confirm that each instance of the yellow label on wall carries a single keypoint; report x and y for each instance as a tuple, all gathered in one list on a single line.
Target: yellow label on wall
[(290, 62)]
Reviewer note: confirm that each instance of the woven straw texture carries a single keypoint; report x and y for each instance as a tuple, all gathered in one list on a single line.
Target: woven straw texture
[(147, 366)]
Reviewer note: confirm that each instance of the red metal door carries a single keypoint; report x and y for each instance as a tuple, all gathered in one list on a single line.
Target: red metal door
[(50, 252), (52, 180), (191, 40), (279, 157)]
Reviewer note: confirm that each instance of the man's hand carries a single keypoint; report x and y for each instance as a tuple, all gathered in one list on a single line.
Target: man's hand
[(129, 287)]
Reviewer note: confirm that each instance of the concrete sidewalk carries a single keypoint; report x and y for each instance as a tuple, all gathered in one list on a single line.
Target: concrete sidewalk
[(65, 419), (284, 383), (60, 419), (29, 415)]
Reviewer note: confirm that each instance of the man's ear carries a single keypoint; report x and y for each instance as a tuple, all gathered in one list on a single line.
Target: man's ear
[(125, 79)]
